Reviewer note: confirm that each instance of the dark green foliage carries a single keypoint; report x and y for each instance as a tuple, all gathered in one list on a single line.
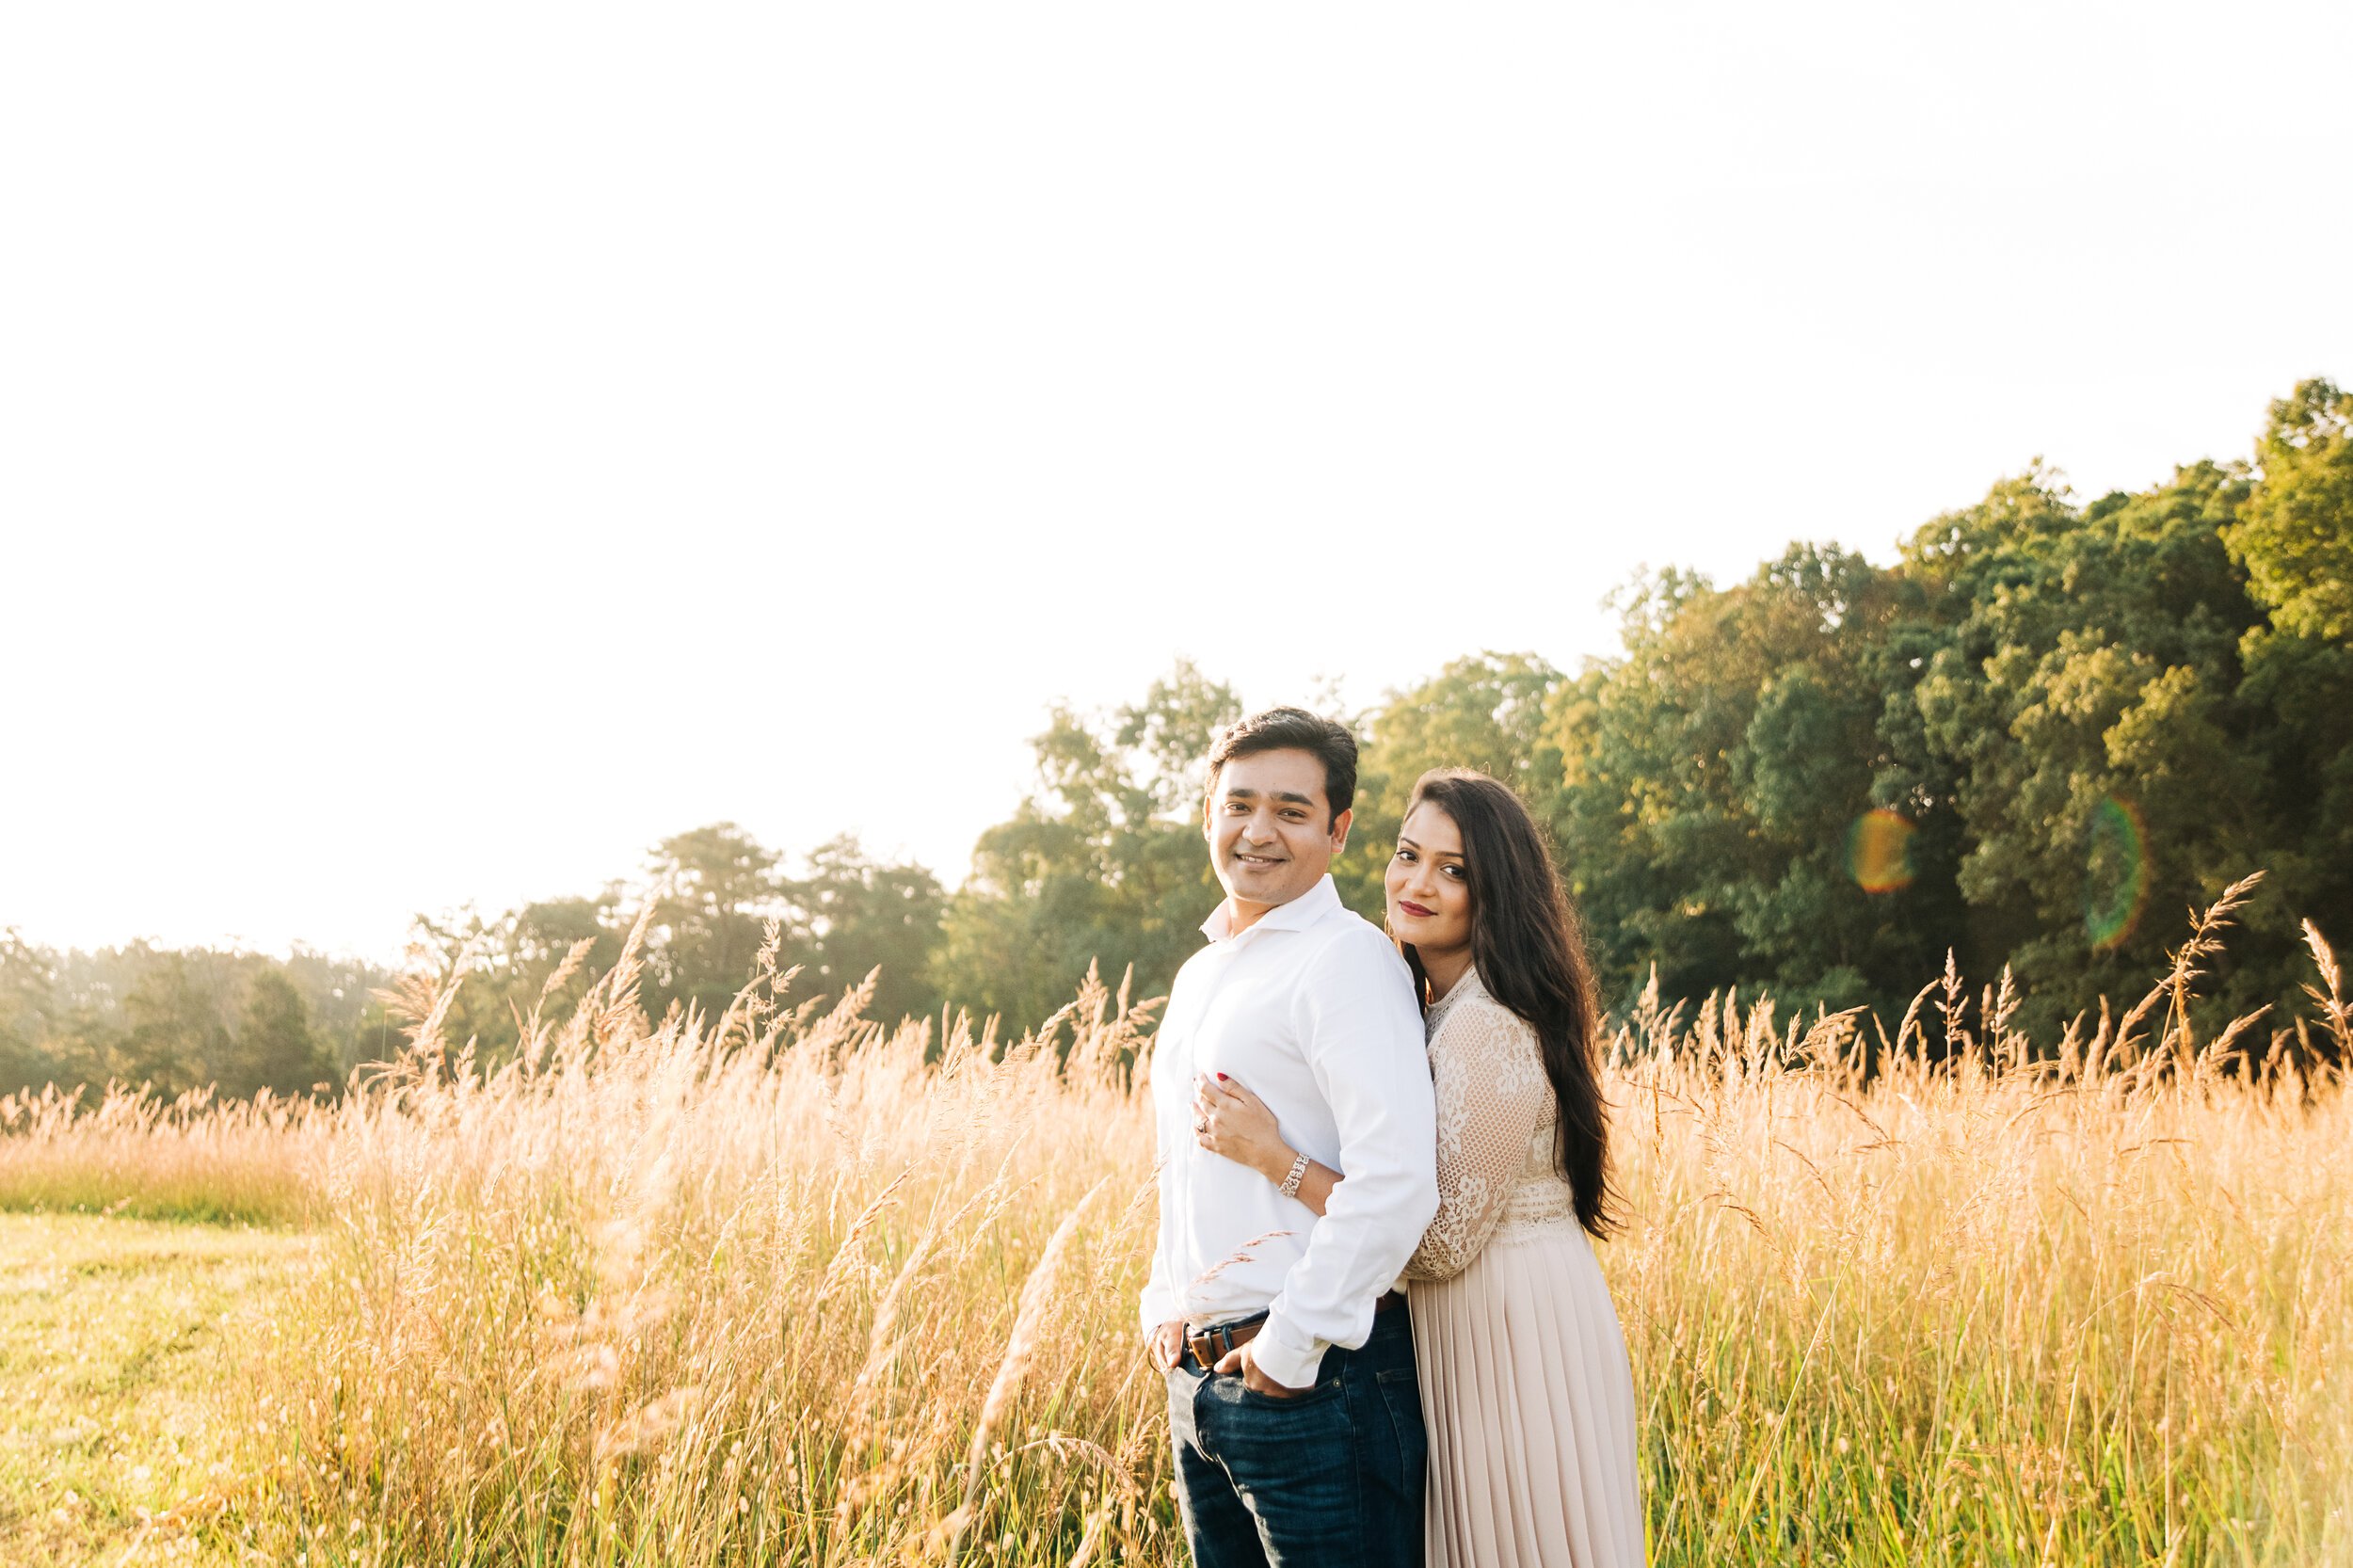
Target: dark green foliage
[(1715, 774)]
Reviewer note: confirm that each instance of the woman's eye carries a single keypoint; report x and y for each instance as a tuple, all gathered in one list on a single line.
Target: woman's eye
[(1455, 871), (1405, 854)]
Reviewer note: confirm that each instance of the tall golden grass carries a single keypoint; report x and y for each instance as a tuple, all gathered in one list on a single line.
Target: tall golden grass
[(787, 1287), (193, 1158)]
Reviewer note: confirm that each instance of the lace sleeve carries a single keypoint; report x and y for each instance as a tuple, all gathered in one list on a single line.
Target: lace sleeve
[(1492, 1096)]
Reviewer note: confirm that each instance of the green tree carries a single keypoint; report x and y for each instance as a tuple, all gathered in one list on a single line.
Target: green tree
[(2080, 698), (338, 995), (1712, 779), (274, 1048), (851, 915), (717, 889), (179, 1037), (1488, 712), (1104, 861), (27, 1014), (2294, 533), (503, 968)]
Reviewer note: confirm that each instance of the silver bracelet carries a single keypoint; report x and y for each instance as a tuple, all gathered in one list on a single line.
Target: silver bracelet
[(1290, 1183)]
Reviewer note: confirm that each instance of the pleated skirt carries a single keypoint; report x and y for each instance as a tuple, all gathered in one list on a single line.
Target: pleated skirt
[(1529, 1403)]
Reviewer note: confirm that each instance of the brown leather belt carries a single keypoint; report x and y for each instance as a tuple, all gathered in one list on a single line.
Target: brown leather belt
[(1210, 1345)]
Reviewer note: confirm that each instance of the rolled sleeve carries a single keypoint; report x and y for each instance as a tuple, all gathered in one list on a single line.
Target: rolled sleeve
[(1286, 1352), (1362, 1040)]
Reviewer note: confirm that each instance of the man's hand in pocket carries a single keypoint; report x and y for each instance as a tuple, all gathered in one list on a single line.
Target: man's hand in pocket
[(1239, 1359)]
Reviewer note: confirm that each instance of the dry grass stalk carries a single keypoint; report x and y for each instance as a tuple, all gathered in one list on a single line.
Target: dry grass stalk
[(743, 1290), (2335, 1013)]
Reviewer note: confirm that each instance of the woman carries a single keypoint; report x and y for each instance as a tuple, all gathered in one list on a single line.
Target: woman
[(1525, 1387)]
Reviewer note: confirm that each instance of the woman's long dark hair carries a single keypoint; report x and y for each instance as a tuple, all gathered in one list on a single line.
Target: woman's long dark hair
[(1529, 952)]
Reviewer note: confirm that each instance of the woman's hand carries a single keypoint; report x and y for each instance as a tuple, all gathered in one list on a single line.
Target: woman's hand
[(1229, 1119)]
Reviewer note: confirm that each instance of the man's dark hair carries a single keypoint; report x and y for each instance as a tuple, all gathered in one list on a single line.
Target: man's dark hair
[(1293, 729)]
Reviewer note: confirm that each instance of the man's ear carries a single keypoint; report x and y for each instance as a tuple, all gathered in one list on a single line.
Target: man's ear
[(1340, 830)]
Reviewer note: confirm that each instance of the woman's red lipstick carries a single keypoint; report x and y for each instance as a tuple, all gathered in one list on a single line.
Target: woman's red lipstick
[(1415, 909)]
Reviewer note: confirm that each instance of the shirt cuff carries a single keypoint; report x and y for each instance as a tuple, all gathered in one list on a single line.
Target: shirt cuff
[(1277, 1350)]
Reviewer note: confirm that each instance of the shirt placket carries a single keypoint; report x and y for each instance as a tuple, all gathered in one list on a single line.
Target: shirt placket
[(1183, 1114)]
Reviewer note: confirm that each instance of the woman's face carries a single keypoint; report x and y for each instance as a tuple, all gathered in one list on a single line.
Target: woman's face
[(1429, 891)]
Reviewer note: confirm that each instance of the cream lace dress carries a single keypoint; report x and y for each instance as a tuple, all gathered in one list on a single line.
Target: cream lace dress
[(1524, 1382)]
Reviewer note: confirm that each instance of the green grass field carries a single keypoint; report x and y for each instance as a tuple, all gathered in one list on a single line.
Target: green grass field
[(117, 1337)]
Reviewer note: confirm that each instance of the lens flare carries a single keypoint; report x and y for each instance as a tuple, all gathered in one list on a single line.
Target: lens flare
[(1879, 851), (2116, 874)]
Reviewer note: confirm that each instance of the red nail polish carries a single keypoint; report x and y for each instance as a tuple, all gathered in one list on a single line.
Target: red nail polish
[(1221, 1077)]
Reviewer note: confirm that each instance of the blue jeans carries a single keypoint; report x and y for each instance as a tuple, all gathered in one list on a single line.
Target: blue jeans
[(1332, 1477)]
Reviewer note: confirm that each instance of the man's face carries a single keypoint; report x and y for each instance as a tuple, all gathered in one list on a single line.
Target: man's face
[(1271, 829)]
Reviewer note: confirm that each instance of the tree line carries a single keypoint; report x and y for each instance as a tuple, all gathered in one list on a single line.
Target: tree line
[(182, 1020), (2034, 738)]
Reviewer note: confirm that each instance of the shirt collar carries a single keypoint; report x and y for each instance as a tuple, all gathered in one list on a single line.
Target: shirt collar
[(1298, 915)]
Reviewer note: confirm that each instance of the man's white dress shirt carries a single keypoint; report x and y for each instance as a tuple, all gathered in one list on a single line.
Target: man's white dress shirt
[(1312, 1009)]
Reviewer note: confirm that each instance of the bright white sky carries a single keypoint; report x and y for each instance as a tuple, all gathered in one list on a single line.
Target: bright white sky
[(445, 448)]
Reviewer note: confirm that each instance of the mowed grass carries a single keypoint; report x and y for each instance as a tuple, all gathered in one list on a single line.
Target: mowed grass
[(778, 1288), (118, 1340)]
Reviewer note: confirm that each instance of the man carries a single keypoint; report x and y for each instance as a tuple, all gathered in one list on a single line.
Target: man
[(1286, 1347)]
